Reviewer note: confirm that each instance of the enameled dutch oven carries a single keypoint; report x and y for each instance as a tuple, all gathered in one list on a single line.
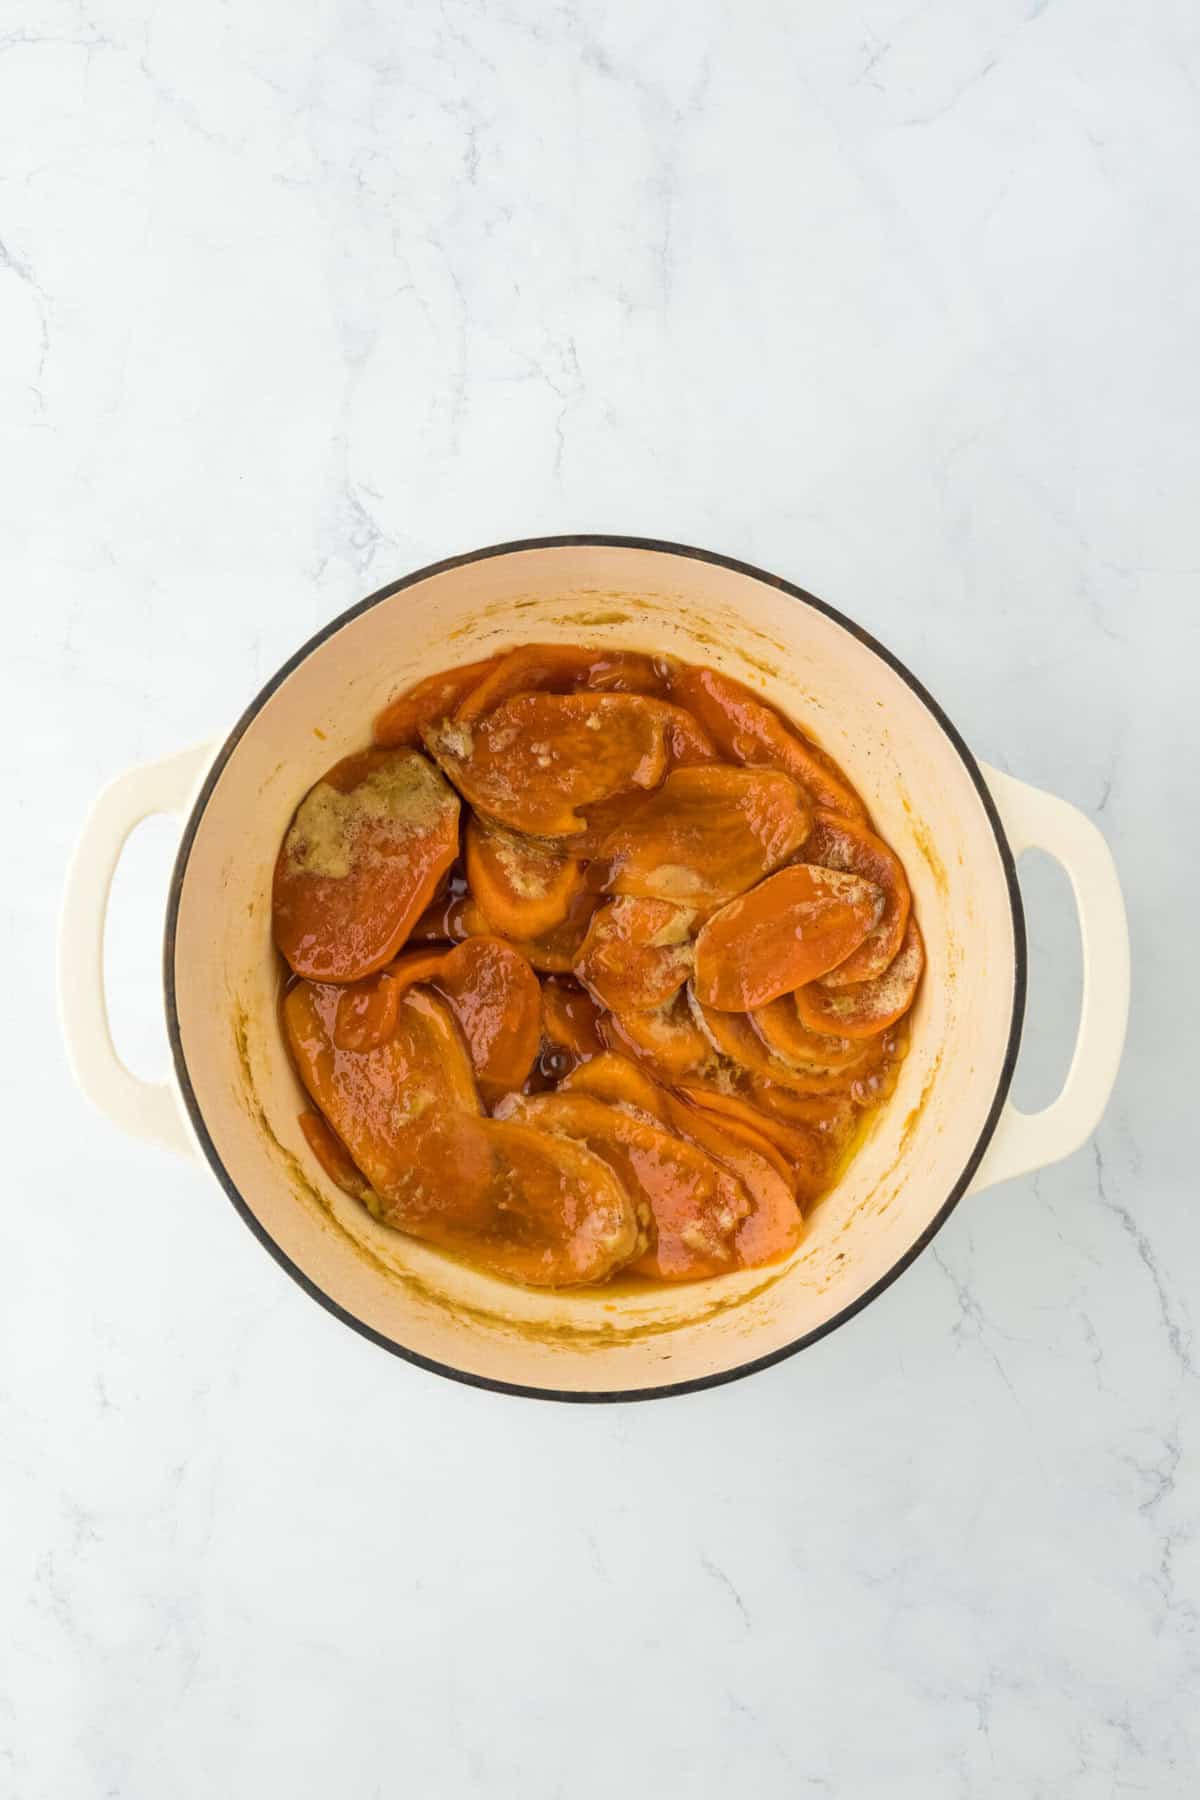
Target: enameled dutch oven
[(948, 1130)]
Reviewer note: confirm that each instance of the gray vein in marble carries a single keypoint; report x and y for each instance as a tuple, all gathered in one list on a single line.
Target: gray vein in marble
[(1178, 1334), (980, 74), (718, 1575), (22, 269), (972, 1324)]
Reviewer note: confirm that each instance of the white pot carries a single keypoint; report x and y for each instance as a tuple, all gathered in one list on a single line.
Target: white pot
[(948, 1129)]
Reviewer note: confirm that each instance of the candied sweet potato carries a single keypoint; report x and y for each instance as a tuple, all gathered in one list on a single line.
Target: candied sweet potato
[(524, 885), (561, 668), (808, 1138), (495, 997), (688, 744), (693, 1207), (557, 1215), (738, 1146), (537, 758), (707, 834), (778, 1025), (361, 860), (488, 986), (847, 844), (335, 1159), (620, 1082), (734, 1037), (668, 955), (570, 1017), (436, 697), (746, 730), (866, 1008), (666, 1037), (533, 1208), (557, 951), (790, 929), (380, 1101), (637, 953)]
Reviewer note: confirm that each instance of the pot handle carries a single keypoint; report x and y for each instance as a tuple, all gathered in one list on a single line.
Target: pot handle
[(1032, 820), (145, 1109)]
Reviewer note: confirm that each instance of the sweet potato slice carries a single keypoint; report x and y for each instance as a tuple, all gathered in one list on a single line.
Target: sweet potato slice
[(558, 1215), (524, 886), (620, 1082), (368, 1011), (809, 1138), (436, 697), (707, 834), (725, 1138), (523, 1205), (746, 730), (734, 1037), (601, 818), (870, 1083), (688, 744), (560, 668), (534, 1209), (794, 926), (557, 951), (554, 953), (778, 1025), (381, 1102), (666, 1037), (414, 967), (570, 1017), (566, 668), (335, 1159), (488, 986), (535, 759), (637, 953), (867, 1007), (692, 1206), (744, 1151), (775, 1224), (361, 860), (495, 997), (846, 844), (833, 1117)]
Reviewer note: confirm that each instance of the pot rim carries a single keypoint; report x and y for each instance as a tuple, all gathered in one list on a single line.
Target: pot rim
[(660, 546)]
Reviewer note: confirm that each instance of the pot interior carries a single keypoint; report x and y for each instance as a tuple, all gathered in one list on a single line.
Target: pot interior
[(244, 1097)]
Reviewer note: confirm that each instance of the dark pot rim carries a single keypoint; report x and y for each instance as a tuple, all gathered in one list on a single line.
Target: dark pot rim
[(959, 1188)]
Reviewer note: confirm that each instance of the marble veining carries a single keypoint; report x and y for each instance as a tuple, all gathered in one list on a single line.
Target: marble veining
[(896, 301)]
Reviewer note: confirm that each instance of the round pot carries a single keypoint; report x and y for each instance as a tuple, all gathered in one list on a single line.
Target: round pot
[(957, 826)]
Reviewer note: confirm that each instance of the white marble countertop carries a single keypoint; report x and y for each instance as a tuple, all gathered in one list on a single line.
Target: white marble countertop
[(897, 301)]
